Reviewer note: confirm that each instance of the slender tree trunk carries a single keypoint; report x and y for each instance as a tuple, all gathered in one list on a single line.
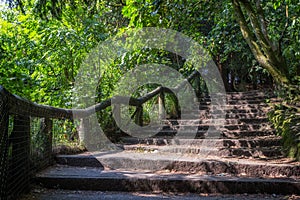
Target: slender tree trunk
[(266, 52)]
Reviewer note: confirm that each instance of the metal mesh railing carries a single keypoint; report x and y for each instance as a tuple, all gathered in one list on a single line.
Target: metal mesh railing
[(18, 156), (25, 141), (41, 143), (3, 144), (26, 131)]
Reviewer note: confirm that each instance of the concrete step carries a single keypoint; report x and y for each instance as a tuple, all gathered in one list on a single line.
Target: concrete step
[(205, 127), (247, 133), (227, 115), (251, 97), (242, 127), (262, 121), (222, 111), (75, 178), (58, 194), (245, 115), (220, 143), (190, 163), (251, 94), (235, 119), (245, 152), (234, 101), (244, 108), (192, 134)]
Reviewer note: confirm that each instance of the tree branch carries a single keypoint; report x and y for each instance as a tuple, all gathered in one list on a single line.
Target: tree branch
[(252, 13), (254, 46), (262, 21), (276, 60), (284, 30), (247, 34)]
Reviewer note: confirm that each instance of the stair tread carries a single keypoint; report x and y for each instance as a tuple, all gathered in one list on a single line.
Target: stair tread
[(156, 156), (74, 178), (62, 171), (271, 148), (258, 138), (254, 152), (225, 142), (54, 194), (245, 157)]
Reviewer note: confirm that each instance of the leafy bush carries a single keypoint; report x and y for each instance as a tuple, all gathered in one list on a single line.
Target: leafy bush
[(286, 120)]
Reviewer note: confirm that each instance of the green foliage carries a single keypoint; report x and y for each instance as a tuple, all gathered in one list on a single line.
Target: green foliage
[(43, 45), (287, 123), (40, 58), (284, 26), (286, 120)]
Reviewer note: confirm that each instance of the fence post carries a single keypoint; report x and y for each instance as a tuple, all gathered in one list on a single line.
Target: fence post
[(4, 119), (117, 114), (49, 139), (139, 115), (85, 131), (20, 139), (197, 85), (161, 106)]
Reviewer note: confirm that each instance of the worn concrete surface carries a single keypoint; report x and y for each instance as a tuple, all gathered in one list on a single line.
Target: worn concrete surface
[(42, 194)]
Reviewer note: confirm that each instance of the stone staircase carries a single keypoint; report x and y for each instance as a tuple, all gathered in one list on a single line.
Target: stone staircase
[(245, 157), (245, 131)]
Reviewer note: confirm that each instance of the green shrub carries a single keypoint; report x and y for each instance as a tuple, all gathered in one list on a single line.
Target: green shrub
[(286, 120)]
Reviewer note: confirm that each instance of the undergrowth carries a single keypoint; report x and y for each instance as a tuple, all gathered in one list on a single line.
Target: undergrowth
[(286, 120)]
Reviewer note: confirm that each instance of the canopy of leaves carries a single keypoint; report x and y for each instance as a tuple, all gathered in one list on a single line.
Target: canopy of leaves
[(43, 42)]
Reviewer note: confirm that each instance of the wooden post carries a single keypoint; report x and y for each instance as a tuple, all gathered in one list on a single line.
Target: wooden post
[(161, 106), (197, 85), (20, 139), (49, 139), (85, 132), (117, 114), (4, 119), (139, 115), (178, 111)]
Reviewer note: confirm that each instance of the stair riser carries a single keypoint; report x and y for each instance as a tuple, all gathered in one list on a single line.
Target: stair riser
[(206, 167), (224, 128), (231, 134), (204, 143), (232, 107), (78, 161), (249, 94), (216, 185), (231, 115), (214, 152), (221, 134), (234, 101)]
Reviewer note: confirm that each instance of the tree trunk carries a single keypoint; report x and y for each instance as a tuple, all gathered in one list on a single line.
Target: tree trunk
[(266, 53)]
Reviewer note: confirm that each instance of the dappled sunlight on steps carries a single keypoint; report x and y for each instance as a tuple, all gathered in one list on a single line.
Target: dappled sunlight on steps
[(246, 157)]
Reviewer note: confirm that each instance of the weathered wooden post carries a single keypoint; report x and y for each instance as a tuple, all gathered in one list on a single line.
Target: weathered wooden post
[(197, 85), (49, 138), (3, 145), (20, 140), (117, 114), (84, 131), (139, 115), (161, 106)]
